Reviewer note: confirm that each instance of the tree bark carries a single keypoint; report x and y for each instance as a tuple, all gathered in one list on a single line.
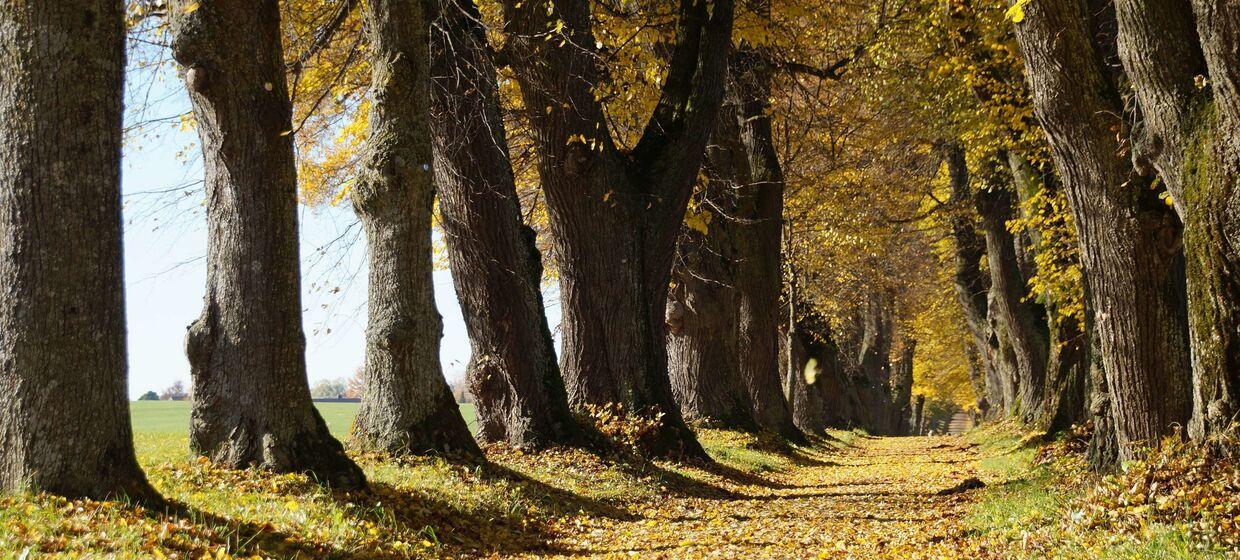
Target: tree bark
[(815, 381), (616, 216), (874, 363), (1212, 239), (64, 421), (1065, 401), (760, 206), (704, 349), (407, 407), (1189, 136), (496, 267), (246, 351), (1022, 321), (1130, 241), (902, 389), (919, 409), (971, 283)]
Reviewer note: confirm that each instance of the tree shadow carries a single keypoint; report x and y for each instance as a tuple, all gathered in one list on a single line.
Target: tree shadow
[(240, 537)]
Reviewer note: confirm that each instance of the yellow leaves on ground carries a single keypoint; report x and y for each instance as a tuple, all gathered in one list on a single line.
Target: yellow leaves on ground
[(853, 497)]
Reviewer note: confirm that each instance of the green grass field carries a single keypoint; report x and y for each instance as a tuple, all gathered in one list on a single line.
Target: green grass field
[(172, 417)]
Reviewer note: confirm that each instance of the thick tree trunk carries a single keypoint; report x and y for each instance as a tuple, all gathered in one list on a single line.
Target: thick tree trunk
[(64, 418), (704, 351), (1213, 232), (1022, 321), (616, 216), (513, 375), (760, 206), (1190, 137), (407, 407), (1130, 241), (247, 351)]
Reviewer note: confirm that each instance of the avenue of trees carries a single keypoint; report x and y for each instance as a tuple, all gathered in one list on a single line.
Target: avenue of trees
[(763, 215)]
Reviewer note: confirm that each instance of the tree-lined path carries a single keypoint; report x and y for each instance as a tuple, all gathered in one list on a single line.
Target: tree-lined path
[(880, 497)]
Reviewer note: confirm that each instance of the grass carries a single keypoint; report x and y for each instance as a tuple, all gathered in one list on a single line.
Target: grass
[(1047, 509), (172, 417), (415, 508)]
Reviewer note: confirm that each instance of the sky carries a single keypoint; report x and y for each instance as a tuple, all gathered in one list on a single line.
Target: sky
[(165, 248)]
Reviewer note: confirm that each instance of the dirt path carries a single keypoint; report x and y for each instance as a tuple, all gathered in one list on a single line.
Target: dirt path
[(879, 497)]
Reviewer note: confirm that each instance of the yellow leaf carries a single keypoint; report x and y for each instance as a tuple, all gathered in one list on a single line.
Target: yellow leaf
[(191, 7)]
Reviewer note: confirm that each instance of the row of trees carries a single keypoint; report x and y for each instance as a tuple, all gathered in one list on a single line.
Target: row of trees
[(761, 216)]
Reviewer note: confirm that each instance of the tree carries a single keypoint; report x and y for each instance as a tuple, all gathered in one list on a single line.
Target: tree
[(496, 268), (1130, 240), (252, 402), (355, 386), (407, 407), (1184, 75), (174, 392), (703, 346), (1022, 321), (759, 214), (328, 388), (615, 214), (149, 396), (63, 362)]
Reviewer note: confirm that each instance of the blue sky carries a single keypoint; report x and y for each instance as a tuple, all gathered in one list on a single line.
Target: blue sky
[(165, 245)]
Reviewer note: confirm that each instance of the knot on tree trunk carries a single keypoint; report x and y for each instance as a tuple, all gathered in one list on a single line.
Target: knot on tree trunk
[(392, 335), (675, 316)]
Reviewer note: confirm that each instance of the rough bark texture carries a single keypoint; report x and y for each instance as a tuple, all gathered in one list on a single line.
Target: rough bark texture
[(1021, 320), (512, 373), (615, 216), (247, 351), (1189, 135), (704, 351), (1212, 194), (64, 418), (407, 407), (759, 211), (1130, 242)]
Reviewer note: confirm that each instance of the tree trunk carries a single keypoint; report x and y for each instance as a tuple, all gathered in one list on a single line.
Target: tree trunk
[(616, 216), (1213, 231), (513, 375), (760, 206), (874, 363), (64, 421), (971, 283), (704, 351), (1022, 321), (902, 389), (1130, 241), (407, 407), (1064, 400), (814, 378), (246, 351), (919, 410), (1190, 137)]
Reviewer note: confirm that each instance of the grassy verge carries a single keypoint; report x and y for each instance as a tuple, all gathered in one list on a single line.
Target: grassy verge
[(421, 508), (1042, 502)]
